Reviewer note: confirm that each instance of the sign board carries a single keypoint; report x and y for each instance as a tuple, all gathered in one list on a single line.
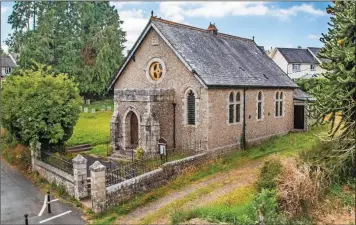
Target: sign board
[(162, 149), (162, 146)]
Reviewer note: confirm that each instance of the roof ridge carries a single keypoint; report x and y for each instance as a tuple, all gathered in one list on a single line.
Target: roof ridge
[(154, 18)]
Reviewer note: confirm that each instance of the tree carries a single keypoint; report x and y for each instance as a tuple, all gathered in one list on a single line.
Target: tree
[(336, 97), (81, 39), (38, 106)]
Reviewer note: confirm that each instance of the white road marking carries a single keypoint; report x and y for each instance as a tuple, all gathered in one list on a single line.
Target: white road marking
[(53, 217), (54, 200), (44, 206)]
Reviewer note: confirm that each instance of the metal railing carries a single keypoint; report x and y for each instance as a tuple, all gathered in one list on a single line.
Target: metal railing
[(57, 161), (149, 162)]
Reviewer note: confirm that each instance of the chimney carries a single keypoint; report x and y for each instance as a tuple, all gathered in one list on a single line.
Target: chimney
[(212, 28)]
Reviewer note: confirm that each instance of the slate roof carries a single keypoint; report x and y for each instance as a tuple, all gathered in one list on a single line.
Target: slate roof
[(298, 94), (297, 55), (315, 51), (223, 60), (6, 61)]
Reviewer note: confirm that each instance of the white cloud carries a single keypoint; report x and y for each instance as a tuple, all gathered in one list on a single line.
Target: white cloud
[(4, 9), (121, 4), (5, 48), (313, 36), (178, 11), (284, 14), (134, 23)]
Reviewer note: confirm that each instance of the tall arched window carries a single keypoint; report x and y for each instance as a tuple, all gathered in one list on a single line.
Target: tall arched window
[(276, 104), (191, 108), (234, 107), (279, 104), (259, 105), (231, 107), (238, 108)]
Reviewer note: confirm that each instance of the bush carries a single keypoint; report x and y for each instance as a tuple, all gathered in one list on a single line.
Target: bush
[(139, 154), (40, 106), (325, 156), (297, 187), (269, 173)]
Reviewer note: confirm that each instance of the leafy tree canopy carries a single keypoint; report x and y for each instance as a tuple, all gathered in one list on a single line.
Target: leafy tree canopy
[(38, 106), (81, 39)]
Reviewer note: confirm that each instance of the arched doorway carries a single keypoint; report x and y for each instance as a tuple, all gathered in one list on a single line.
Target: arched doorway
[(133, 130)]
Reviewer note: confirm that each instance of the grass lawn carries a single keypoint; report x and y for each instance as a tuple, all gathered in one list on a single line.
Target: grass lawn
[(93, 128), (285, 146)]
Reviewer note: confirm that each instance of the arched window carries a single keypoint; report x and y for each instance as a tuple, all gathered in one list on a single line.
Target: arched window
[(279, 104), (191, 108), (231, 107), (276, 104), (259, 105), (238, 108), (234, 107)]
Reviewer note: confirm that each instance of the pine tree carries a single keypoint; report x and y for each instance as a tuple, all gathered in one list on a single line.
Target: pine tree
[(336, 97)]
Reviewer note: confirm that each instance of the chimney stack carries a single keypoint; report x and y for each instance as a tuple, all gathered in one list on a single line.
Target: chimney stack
[(212, 28)]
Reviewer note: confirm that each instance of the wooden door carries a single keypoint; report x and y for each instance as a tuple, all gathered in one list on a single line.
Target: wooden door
[(299, 117), (134, 130)]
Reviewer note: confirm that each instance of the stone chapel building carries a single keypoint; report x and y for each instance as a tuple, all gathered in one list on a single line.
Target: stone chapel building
[(198, 89)]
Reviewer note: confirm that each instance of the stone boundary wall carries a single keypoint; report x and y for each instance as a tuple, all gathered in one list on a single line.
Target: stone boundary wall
[(125, 190), (53, 174)]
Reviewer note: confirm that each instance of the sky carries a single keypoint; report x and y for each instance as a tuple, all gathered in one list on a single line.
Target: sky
[(273, 24)]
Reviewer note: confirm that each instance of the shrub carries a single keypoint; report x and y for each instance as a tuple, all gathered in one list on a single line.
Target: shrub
[(297, 187), (40, 106), (334, 168), (269, 173), (139, 154)]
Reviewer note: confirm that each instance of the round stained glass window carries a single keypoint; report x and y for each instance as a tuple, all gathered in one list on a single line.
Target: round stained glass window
[(156, 71)]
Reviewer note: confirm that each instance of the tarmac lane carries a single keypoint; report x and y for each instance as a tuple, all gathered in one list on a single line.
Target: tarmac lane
[(20, 196)]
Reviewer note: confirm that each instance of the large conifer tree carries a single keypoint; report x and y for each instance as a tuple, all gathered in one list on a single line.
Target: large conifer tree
[(81, 39), (336, 98)]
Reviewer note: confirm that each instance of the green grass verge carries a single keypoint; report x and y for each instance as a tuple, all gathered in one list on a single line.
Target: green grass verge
[(287, 145)]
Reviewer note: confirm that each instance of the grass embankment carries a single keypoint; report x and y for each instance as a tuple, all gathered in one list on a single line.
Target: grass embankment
[(285, 146), (93, 128)]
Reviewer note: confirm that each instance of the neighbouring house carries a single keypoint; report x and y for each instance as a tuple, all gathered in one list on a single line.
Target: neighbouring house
[(198, 89), (298, 62), (8, 63)]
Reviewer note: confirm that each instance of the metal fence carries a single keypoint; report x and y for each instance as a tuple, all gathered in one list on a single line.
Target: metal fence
[(57, 161), (147, 163)]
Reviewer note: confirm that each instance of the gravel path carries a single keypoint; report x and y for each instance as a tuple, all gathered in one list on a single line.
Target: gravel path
[(229, 181)]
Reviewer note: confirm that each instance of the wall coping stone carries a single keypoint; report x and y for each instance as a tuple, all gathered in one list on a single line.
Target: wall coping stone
[(64, 175), (187, 159), (131, 181), (79, 159), (97, 166)]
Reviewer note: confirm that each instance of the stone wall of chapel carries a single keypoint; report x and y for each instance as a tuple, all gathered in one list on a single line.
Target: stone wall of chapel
[(178, 78), (224, 135)]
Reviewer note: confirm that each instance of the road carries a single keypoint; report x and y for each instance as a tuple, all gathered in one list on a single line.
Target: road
[(20, 196)]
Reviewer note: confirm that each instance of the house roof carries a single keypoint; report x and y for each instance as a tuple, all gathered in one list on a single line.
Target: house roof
[(7, 61), (298, 94), (219, 60), (297, 55), (315, 52)]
